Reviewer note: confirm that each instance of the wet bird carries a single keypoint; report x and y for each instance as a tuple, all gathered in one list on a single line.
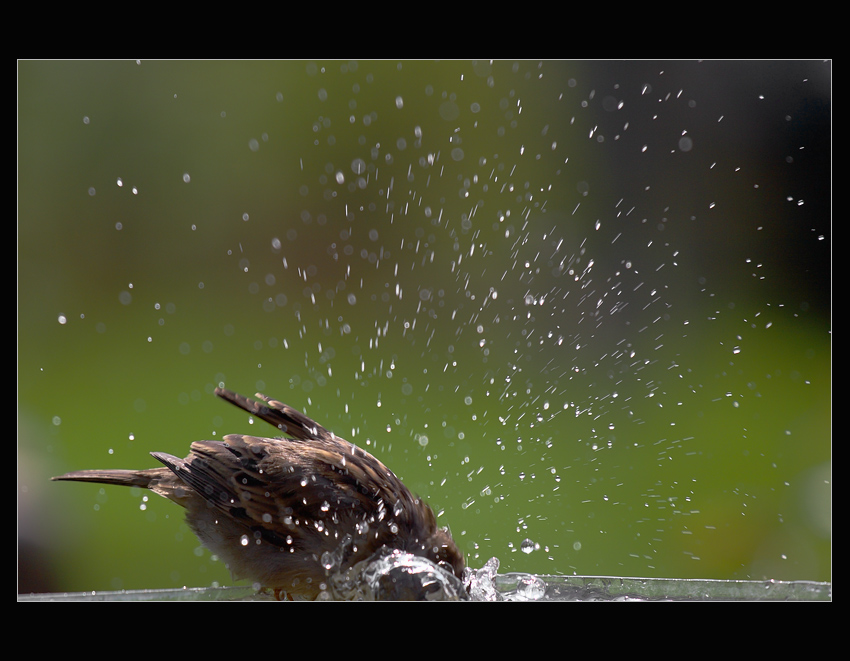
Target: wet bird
[(284, 512)]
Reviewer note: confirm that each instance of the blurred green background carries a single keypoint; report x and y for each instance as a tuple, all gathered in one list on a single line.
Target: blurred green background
[(582, 307)]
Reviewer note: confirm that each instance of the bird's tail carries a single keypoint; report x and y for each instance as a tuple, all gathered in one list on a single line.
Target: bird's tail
[(126, 478), (159, 480)]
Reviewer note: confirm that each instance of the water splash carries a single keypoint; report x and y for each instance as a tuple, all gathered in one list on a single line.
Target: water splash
[(393, 575)]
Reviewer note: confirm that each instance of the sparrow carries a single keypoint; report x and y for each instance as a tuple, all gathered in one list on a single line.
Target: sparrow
[(285, 512)]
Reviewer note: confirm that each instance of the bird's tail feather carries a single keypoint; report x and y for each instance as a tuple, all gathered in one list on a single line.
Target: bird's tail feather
[(159, 480), (127, 478)]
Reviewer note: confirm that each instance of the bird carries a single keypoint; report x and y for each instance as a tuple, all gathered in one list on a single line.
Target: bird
[(284, 512)]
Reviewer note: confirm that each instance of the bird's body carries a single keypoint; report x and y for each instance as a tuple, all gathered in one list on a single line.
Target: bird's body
[(283, 512)]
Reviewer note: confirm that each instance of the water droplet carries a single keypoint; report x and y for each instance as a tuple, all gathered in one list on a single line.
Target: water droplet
[(530, 588)]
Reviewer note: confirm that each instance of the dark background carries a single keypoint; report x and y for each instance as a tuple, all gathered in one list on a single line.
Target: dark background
[(581, 305)]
